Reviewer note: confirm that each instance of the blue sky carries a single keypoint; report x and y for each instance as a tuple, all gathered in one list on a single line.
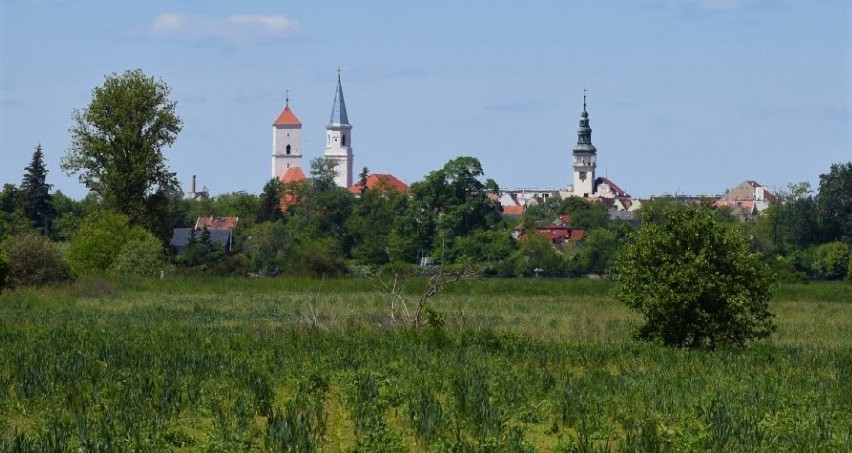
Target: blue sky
[(687, 96)]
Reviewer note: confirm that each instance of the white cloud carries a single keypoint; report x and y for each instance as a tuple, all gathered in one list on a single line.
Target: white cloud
[(237, 29)]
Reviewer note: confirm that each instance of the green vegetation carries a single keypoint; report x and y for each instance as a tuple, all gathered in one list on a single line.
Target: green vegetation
[(220, 364), (35, 260), (116, 147), (695, 282)]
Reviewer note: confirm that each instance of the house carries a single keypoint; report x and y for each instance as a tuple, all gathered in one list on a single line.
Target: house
[(385, 183), (559, 232), (749, 197), (221, 230)]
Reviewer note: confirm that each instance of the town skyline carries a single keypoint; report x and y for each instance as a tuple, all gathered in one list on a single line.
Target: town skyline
[(683, 97)]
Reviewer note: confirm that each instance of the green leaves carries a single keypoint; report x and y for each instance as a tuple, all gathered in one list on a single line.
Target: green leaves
[(695, 281), (117, 142)]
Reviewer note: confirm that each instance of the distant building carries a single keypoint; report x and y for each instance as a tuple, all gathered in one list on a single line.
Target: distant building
[(749, 197), (382, 182), (338, 145), (584, 182), (221, 233), (287, 140)]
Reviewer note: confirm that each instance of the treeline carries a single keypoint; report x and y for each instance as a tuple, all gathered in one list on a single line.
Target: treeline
[(450, 216), (313, 227)]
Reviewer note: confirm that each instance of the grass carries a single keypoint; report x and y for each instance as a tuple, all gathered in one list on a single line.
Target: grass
[(198, 364)]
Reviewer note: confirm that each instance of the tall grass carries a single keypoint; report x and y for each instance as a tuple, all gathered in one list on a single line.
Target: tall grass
[(312, 365)]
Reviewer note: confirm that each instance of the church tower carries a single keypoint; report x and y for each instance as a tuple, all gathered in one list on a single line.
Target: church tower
[(286, 141), (338, 139), (585, 157)]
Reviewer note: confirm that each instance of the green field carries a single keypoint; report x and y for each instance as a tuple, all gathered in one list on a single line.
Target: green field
[(331, 365)]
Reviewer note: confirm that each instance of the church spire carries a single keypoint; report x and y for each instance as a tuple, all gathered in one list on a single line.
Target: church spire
[(584, 132), (338, 109)]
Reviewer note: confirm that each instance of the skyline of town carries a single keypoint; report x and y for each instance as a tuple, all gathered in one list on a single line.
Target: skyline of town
[(684, 97)]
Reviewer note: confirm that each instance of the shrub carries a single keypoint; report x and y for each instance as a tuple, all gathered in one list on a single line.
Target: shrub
[(237, 264), (696, 282), (142, 257), (35, 261), (829, 261), (5, 267), (320, 257), (101, 238)]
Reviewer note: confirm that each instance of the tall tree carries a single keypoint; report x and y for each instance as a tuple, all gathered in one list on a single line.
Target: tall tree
[(453, 202), (35, 192), (834, 203), (117, 143), (270, 201)]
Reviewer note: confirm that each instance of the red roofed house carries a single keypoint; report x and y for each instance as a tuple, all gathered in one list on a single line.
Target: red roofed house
[(215, 222), (382, 182)]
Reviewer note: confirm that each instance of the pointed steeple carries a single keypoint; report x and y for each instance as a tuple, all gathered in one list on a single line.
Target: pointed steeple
[(287, 117), (338, 109), (584, 132)]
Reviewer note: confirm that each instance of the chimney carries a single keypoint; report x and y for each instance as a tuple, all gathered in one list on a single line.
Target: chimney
[(193, 184)]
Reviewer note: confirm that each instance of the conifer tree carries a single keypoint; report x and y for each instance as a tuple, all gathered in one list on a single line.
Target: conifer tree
[(270, 201), (35, 192)]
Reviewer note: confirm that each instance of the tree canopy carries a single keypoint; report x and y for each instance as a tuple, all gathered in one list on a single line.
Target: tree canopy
[(117, 144), (695, 282)]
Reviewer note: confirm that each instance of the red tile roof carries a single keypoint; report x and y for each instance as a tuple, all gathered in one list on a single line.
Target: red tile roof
[(383, 182), (293, 174), (215, 222), (287, 118), (513, 210)]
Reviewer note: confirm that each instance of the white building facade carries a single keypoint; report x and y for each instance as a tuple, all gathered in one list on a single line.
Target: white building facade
[(338, 144), (286, 142)]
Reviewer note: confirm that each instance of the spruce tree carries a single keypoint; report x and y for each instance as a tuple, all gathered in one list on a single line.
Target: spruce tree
[(35, 192), (270, 201)]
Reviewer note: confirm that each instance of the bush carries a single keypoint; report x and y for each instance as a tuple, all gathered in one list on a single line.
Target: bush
[(35, 261), (5, 267), (320, 257), (696, 282), (785, 271), (101, 238), (143, 257), (828, 261), (237, 265)]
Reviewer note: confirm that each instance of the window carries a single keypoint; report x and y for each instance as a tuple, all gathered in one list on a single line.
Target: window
[(288, 150), (343, 140)]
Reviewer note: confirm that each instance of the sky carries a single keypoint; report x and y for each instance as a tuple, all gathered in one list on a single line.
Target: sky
[(684, 96)]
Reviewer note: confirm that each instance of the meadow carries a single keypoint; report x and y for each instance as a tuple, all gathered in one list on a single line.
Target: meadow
[(207, 364)]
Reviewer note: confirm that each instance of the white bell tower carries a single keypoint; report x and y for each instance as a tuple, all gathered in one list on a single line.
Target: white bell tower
[(338, 139), (585, 157), (286, 141)]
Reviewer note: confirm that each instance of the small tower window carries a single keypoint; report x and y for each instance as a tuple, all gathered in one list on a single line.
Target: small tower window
[(288, 150), (343, 140)]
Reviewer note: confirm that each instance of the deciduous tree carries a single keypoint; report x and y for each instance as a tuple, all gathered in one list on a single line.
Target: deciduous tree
[(117, 144), (695, 282), (834, 203)]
